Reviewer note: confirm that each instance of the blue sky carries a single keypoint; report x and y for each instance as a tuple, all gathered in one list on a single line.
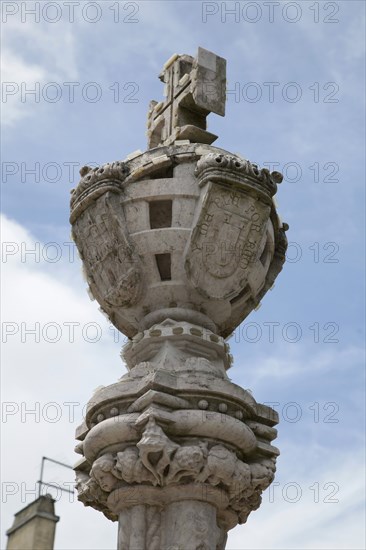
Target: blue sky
[(302, 350)]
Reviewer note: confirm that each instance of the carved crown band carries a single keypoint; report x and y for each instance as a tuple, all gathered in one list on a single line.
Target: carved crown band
[(233, 170), (94, 183)]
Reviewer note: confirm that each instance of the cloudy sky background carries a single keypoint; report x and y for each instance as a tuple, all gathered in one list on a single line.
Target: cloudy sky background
[(302, 350)]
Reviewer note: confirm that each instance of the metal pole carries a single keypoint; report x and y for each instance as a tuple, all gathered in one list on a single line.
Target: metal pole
[(41, 477), (41, 482)]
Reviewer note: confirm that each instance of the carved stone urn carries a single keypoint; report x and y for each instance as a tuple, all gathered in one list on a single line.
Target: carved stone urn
[(179, 244)]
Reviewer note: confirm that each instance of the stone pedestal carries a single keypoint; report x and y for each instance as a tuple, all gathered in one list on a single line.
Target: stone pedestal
[(179, 244), (180, 446)]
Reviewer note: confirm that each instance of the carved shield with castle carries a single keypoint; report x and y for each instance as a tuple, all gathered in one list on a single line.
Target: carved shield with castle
[(226, 241)]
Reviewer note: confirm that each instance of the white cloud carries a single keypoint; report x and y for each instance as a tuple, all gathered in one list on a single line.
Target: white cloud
[(33, 54), (291, 363), (322, 510), (15, 71), (46, 385)]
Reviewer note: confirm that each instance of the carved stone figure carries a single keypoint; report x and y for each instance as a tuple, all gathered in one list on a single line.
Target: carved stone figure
[(262, 473), (130, 468), (102, 472), (241, 481), (220, 466), (91, 494), (187, 462)]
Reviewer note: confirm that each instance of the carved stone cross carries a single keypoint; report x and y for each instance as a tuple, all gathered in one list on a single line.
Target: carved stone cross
[(194, 87)]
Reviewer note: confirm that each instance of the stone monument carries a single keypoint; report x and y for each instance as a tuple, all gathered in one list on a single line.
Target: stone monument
[(179, 244)]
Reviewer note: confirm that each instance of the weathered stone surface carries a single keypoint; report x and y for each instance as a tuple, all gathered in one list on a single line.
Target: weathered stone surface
[(176, 423), (193, 89), (218, 253), (179, 244)]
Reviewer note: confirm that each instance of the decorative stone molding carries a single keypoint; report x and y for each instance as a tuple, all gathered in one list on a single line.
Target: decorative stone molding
[(158, 461), (168, 425), (193, 337)]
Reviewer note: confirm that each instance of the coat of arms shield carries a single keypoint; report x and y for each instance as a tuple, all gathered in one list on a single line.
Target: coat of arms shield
[(226, 242)]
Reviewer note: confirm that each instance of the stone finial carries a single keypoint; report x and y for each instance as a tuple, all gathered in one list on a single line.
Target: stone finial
[(194, 87)]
